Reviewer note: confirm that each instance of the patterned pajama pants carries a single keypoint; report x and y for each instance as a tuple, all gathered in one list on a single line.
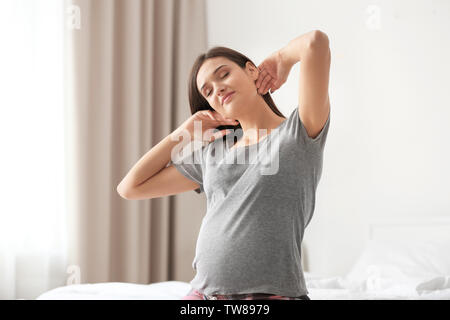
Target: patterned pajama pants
[(197, 295)]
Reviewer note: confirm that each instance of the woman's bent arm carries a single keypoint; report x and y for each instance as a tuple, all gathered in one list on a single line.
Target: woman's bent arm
[(150, 164), (166, 182), (151, 168)]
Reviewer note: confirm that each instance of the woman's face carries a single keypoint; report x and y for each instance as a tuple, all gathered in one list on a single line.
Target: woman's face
[(229, 77)]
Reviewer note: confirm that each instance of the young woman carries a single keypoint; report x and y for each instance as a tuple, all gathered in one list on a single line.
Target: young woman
[(249, 244)]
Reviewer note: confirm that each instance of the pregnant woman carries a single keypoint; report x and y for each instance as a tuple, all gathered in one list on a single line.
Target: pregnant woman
[(249, 244)]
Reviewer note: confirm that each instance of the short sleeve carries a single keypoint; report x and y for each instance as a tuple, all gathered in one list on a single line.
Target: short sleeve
[(297, 129), (192, 166)]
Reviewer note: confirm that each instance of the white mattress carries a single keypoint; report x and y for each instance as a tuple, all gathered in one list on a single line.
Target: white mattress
[(320, 288), (168, 290)]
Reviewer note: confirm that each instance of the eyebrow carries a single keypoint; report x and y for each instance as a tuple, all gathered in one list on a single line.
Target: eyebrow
[(224, 65)]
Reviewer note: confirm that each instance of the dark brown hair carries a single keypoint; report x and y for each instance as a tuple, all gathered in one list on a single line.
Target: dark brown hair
[(197, 102)]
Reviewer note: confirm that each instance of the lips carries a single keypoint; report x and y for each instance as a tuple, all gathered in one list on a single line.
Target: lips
[(229, 94)]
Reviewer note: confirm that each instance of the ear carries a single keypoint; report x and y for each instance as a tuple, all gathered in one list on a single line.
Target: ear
[(252, 70)]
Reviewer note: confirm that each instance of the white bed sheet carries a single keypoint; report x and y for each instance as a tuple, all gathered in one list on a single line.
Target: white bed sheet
[(168, 290), (320, 288), (378, 288)]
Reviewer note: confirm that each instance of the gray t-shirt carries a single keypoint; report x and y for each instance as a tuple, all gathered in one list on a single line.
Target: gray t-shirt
[(260, 198)]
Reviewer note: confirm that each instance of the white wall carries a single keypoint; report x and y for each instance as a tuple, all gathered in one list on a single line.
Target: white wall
[(387, 152)]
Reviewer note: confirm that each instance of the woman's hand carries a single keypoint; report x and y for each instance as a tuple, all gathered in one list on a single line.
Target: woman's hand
[(209, 120), (273, 74)]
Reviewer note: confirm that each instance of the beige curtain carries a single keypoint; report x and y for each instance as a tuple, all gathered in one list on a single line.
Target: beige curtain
[(127, 67)]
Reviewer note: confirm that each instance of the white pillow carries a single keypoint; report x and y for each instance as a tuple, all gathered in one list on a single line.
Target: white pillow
[(414, 258), (400, 265)]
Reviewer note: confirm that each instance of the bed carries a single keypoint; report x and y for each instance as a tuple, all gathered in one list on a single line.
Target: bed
[(402, 260)]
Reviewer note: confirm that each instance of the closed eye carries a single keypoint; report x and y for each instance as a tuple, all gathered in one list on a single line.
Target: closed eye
[(221, 78)]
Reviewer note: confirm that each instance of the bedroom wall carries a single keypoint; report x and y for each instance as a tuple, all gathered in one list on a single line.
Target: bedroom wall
[(387, 150)]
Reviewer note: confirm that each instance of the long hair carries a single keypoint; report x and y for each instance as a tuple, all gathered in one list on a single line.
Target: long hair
[(197, 102)]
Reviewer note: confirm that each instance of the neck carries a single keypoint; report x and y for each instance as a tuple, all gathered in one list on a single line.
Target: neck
[(260, 117)]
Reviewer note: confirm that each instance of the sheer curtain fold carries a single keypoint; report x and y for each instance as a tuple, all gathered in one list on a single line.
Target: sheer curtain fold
[(128, 72), (32, 235)]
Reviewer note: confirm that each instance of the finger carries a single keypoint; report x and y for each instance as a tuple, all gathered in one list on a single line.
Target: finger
[(260, 68), (230, 122), (272, 86), (220, 118), (260, 78), (275, 88), (263, 83), (209, 114), (269, 85), (266, 80), (206, 113)]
